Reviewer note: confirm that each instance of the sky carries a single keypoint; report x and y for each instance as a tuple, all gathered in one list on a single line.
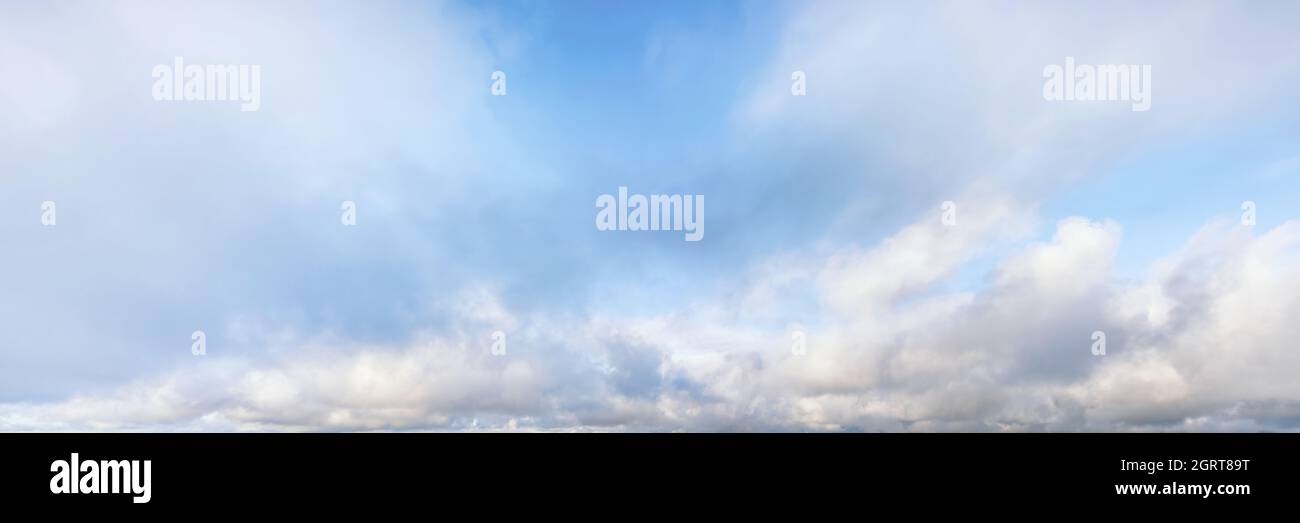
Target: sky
[(913, 238)]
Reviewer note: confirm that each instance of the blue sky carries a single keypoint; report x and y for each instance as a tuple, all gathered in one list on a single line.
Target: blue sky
[(475, 215)]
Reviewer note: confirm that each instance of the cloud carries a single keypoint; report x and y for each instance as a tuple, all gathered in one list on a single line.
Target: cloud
[(824, 219), (1012, 356), (175, 217)]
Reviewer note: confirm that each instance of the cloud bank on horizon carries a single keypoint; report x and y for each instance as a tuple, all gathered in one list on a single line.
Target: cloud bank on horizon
[(912, 238)]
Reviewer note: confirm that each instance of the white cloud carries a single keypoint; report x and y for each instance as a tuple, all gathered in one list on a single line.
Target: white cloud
[(1012, 356), (1204, 342)]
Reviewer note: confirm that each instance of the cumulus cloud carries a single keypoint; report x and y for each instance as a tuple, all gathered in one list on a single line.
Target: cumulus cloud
[(1014, 355)]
